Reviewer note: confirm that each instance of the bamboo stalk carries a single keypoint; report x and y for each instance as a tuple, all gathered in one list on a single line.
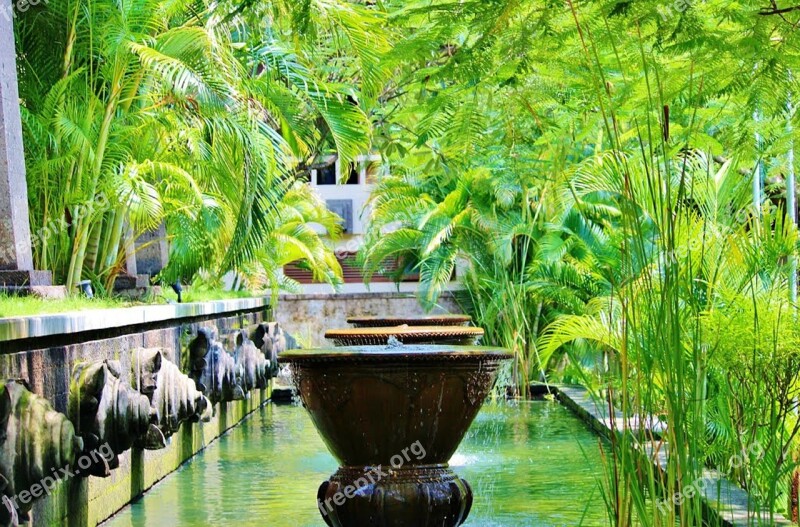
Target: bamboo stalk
[(93, 245), (111, 250), (79, 253)]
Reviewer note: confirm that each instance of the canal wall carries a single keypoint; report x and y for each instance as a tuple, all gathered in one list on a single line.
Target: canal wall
[(43, 353)]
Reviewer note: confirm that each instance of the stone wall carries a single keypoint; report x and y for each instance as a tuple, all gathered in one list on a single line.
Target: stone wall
[(308, 316), (83, 502), (43, 351)]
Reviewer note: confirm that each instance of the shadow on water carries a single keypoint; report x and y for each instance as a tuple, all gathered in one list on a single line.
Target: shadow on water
[(530, 464)]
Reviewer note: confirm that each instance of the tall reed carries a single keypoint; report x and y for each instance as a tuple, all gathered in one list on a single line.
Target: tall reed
[(688, 268)]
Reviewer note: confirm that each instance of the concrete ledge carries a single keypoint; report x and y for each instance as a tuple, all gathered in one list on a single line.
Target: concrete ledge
[(49, 292), (724, 500), (346, 296), (383, 295), (29, 278), (42, 326)]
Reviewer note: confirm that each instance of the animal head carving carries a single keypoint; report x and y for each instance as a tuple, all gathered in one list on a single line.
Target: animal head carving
[(107, 411), (146, 365), (36, 442), (251, 366), (213, 369), (173, 396), (270, 338)]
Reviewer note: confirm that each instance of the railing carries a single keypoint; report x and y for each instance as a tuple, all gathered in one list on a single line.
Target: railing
[(351, 272)]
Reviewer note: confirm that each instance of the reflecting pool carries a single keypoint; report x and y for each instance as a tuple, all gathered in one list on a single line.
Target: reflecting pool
[(529, 463)]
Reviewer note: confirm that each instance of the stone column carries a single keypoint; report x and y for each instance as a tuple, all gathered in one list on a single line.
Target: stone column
[(130, 253), (16, 261), (152, 251)]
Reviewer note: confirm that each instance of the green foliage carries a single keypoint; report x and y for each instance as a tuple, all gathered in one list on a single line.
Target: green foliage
[(192, 114), (607, 179), (590, 168)]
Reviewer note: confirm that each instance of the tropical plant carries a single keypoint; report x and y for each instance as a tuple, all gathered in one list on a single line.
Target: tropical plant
[(191, 114), (633, 235)]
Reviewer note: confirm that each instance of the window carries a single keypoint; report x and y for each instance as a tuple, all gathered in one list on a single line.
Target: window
[(344, 208), (353, 176), (326, 174)]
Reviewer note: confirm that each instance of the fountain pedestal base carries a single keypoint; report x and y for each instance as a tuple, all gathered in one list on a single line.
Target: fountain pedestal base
[(413, 496)]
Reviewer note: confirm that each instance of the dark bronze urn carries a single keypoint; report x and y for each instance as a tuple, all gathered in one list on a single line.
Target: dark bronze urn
[(393, 416)]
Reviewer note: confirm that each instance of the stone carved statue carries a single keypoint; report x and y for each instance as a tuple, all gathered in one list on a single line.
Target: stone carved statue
[(107, 411), (173, 396), (213, 369), (252, 369), (270, 338), (35, 443)]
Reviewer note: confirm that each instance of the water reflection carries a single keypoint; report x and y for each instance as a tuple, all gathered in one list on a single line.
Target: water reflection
[(530, 464)]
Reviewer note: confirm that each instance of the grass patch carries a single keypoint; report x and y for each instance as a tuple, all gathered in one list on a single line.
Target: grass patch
[(22, 306), (204, 295), (25, 306)]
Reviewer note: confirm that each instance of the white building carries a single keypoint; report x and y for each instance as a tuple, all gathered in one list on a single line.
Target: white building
[(348, 197)]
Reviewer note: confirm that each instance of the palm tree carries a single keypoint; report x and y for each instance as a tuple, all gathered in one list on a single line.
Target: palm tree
[(184, 113)]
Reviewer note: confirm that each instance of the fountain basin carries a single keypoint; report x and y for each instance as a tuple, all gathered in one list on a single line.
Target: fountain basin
[(425, 320), (378, 336), (401, 409)]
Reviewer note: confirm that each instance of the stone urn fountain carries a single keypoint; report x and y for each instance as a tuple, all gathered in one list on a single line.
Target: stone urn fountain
[(424, 320), (405, 334), (393, 416)]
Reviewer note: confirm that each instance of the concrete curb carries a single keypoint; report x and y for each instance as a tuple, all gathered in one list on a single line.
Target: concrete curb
[(41, 326)]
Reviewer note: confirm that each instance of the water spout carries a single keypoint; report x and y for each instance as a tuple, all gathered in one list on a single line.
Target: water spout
[(394, 343)]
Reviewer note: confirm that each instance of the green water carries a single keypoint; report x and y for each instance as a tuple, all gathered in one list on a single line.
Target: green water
[(530, 464)]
